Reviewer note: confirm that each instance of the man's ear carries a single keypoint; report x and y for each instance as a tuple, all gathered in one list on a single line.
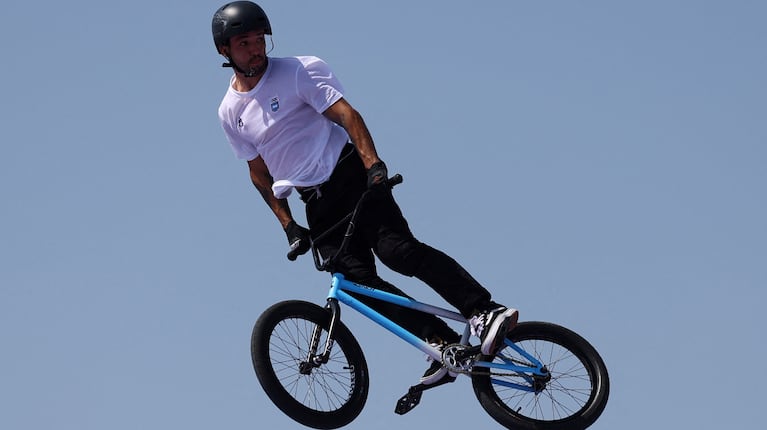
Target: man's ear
[(224, 50)]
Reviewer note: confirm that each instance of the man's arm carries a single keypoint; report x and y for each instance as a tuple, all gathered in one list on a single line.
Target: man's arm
[(343, 114), (262, 179), (298, 237)]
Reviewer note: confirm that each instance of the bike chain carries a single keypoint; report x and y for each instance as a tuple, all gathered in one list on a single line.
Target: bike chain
[(454, 362)]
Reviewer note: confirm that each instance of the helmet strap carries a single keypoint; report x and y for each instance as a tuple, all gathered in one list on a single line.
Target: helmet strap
[(248, 74)]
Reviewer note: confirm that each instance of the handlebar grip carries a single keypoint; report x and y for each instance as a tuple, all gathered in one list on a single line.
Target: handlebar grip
[(395, 180), (297, 250)]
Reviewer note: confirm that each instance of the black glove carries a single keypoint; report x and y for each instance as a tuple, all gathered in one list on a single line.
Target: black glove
[(298, 238), (377, 174)]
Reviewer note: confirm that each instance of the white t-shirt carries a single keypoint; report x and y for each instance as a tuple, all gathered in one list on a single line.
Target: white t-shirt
[(281, 120)]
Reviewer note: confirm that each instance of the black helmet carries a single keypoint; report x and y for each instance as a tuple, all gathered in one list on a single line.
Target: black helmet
[(236, 18)]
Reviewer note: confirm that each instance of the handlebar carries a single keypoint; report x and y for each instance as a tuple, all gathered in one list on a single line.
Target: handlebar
[(348, 220)]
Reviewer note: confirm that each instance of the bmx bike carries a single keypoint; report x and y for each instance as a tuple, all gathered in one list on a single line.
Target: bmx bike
[(545, 376)]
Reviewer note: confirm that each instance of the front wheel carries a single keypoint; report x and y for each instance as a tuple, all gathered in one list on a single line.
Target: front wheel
[(323, 396), (571, 398)]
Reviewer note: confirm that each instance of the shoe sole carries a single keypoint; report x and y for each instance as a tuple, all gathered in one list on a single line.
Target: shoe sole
[(504, 324), (437, 376), (434, 377)]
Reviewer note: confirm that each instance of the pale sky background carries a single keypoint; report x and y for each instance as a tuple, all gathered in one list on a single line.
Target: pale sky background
[(598, 164)]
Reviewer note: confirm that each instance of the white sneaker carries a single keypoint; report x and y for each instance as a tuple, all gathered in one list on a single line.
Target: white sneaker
[(491, 327)]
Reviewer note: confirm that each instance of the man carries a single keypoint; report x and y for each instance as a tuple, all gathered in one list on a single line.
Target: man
[(288, 119)]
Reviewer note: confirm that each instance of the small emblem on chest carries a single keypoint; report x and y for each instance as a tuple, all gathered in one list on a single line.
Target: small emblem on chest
[(275, 104)]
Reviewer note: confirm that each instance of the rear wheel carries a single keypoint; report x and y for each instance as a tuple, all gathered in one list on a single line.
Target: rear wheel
[(572, 398), (323, 396)]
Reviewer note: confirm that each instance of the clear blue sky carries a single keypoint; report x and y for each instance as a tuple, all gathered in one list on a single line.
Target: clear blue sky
[(596, 164)]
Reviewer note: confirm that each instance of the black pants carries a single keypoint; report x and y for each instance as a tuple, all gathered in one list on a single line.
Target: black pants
[(382, 230)]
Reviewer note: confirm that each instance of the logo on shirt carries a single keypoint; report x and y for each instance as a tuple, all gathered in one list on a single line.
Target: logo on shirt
[(239, 122), (275, 104)]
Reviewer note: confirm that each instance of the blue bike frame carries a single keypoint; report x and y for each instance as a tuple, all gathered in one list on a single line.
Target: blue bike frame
[(340, 289), (339, 292)]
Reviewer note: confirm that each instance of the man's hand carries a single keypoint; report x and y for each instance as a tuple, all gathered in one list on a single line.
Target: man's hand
[(298, 238), (377, 174)]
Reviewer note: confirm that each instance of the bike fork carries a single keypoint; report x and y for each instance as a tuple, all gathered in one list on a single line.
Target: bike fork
[(314, 359)]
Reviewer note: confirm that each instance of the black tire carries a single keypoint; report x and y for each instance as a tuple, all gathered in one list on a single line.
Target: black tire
[(333, 394), (572, 400)]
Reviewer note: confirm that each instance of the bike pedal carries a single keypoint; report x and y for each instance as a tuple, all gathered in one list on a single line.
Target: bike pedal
[(408, 402)]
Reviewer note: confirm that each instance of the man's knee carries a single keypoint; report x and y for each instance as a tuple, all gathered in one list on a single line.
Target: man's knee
[(405, 258)]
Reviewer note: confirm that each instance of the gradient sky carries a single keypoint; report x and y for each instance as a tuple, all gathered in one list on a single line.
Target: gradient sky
[(597, 164)]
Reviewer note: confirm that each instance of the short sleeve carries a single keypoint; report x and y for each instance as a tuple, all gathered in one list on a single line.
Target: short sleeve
[(317, 85), (242, 150)]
